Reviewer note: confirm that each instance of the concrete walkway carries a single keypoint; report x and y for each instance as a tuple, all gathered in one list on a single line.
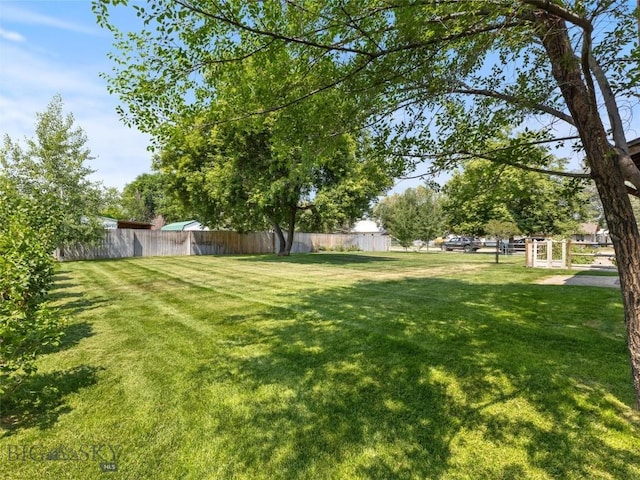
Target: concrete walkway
[(581, 280)]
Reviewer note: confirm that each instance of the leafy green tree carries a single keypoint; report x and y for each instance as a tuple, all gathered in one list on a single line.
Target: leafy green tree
[(111, 203), (438, 80), (415, 214), (398, 215), (47, 201), (248, 172), (142, 197), (28, 236), (27, 324), (148, 197), (537, 204), (52, 170), (235, 175)]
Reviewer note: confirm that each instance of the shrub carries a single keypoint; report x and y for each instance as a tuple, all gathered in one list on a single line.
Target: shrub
[(27, 324), (582, 254)]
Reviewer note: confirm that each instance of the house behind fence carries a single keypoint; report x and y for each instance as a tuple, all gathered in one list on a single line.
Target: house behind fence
[(125, 243)]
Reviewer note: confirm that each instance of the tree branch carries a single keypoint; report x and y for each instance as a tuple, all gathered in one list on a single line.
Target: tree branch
[(466, 155), (545, 171), (633, 191), (560, 11), (267, 33), (514, 100), (301, 98)]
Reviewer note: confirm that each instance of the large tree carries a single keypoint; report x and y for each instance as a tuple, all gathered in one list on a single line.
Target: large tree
[(415, 214), (46, 200), (242, 171), (147, 198), (537, 204), (445, 77), (52, 169), (242, 175)]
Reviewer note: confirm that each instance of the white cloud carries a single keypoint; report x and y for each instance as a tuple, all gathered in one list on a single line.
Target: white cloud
[(11, 36), (28, 82), (11, 13)]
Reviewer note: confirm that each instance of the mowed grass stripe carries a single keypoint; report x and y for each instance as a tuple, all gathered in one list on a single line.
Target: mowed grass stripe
[(233, 274), (283, 297), (419, 266), (287, 284), (392, 370), (222, 284), (176, 303), (424, 304), (339, 306)]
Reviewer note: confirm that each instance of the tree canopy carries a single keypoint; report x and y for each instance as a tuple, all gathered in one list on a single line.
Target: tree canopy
[(415, 214), (537, 204), (437, 80), (47, 201), (246, 172), (241, 176), (147, 198), (52, 170)]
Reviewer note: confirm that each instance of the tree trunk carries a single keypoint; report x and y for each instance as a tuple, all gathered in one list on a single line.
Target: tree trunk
[(281, 241), (606, 172), (291, 230), (285, 244)]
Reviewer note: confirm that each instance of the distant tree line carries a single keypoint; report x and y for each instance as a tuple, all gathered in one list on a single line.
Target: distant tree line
[(483, 197)]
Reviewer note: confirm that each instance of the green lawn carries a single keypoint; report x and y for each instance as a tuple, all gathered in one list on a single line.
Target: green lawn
[(328, 366)]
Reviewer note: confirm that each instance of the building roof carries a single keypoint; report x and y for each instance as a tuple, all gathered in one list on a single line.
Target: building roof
[(109, 223), (589, 228), (180, 226), (134, 224)]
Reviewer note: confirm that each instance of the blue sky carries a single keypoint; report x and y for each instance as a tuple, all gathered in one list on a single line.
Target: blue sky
[(50, 47), (56, 47)]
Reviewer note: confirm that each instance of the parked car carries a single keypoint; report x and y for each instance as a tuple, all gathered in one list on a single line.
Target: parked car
[(467, 244), (520, 244)]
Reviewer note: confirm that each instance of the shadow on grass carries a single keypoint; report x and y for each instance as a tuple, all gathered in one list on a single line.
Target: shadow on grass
[(73, 302), (40, 399), (70, 303), (402, 376), (598, 272), (72, 335)]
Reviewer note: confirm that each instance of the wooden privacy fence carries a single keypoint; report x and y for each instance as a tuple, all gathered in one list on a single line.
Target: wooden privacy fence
[(125, 243), (313, 242)]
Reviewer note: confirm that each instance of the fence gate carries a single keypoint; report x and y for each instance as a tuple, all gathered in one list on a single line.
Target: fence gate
[(549, 254)]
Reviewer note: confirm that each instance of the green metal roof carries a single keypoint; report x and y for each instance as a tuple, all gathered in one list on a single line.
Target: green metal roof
[(177, 226)]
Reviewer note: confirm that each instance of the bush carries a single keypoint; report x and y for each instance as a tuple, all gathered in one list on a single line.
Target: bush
[(582, 254), (27, 324), (338, 248)]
